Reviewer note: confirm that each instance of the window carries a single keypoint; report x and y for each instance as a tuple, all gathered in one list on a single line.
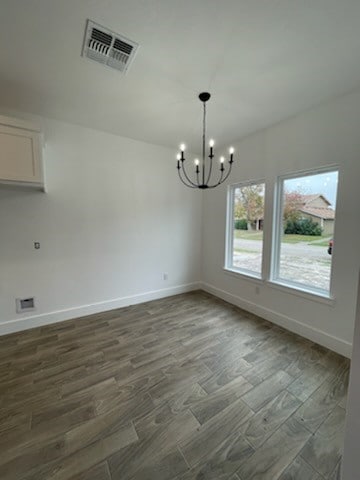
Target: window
[(245, 228), (304, 229)]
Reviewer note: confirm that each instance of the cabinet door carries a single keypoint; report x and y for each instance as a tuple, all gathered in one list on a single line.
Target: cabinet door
[(19, 155)]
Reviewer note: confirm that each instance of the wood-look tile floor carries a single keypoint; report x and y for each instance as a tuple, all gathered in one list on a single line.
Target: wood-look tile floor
[(183, 388)]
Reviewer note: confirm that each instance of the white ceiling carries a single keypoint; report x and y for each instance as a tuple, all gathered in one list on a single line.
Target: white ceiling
[(262, 60)]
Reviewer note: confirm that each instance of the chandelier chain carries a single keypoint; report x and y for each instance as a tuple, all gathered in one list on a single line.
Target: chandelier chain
[(203, 144)]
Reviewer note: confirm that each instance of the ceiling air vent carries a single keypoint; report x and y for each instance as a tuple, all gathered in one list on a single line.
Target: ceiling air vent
[(107, 47)]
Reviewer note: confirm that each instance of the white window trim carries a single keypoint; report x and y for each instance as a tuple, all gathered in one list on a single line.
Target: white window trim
[(246, 274), (303, 292), (275, 278), (229, 239)]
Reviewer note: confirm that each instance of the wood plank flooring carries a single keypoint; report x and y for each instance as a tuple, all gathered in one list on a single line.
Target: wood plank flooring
[(183, 388)]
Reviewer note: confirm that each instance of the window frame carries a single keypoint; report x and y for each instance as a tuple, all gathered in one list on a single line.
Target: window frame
[(229, 235), (277, 228)]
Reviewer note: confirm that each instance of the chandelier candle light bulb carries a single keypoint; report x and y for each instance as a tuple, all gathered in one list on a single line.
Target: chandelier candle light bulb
[(182, 149), (231, 151), (197, 165), (222, 160), (205, 179), (211, 143)]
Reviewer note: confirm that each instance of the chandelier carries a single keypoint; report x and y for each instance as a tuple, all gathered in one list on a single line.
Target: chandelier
[(203, 175)]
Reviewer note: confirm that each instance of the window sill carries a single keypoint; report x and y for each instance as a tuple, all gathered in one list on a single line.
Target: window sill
[(299, 291), (247, 275), (296, 290)]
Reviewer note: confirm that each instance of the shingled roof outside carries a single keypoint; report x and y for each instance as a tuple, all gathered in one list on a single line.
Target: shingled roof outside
[(325, 213)]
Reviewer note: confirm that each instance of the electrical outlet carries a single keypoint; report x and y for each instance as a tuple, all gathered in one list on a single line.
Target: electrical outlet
[(165, 276), (36, 245)]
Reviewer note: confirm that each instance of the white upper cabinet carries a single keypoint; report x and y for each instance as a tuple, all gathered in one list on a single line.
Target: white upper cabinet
[(20, 153)]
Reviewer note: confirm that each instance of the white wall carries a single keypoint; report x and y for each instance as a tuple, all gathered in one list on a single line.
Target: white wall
[(115, 218), (351, 460), (326, 135)]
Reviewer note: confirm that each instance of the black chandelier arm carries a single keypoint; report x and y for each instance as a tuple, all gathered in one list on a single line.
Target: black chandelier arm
[(186, 175), (229, 171), (222, 179), (190, 184), (221, 176), (210, 169), (219, 181)]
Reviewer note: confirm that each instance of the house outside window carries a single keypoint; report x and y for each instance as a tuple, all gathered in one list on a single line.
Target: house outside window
[(318, 208), (245, 228)]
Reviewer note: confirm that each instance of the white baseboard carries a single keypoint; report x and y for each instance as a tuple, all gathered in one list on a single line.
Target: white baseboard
[(25, 323), (322, 338)]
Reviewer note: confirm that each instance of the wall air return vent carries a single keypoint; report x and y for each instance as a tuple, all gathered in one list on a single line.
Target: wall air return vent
[(25, 304), (107, 47)]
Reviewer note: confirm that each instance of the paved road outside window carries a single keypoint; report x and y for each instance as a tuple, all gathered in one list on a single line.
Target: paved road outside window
[(300, 262)]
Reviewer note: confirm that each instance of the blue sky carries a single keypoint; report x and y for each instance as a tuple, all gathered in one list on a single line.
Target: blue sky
[(325, 183)]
